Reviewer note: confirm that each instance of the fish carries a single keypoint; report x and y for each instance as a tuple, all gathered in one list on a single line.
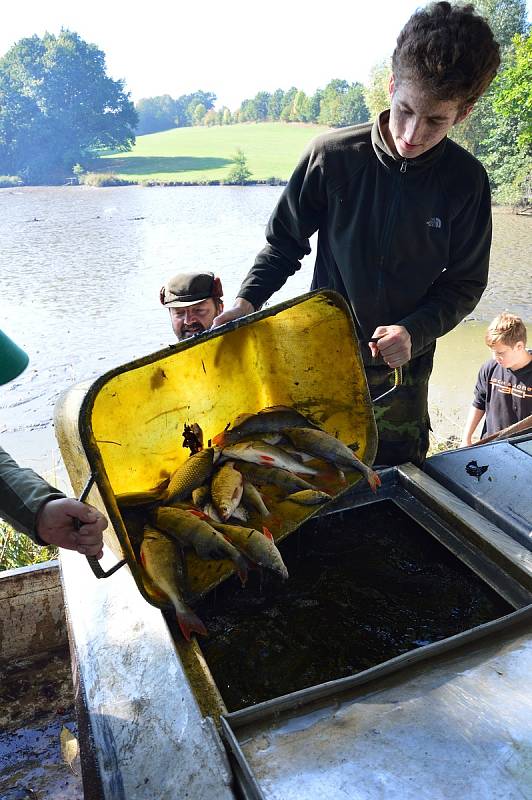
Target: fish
[(322, 445), (190, 475), (309, 497), (282, 478), (258, 452), (269, 420), (211, 512), (201, 495), (188, 529), (258, 547), (160, 560), (253, 499), (240, 514), (155, 495), (226, 490)]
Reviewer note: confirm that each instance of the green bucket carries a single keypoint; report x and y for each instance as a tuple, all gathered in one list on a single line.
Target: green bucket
[(13, 360)]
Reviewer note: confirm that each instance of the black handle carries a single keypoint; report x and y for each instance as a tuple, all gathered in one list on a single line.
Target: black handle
[(93, 561)]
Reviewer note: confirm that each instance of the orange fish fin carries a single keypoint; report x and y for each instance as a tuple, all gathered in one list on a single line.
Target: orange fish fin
[(268, 534), (190, 623), (374, 481)]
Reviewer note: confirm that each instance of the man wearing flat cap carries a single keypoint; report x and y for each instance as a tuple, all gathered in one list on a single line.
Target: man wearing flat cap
[(194, 299)]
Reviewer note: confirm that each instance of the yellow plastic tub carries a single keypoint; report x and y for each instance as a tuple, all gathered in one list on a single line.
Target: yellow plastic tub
[(124, 430)]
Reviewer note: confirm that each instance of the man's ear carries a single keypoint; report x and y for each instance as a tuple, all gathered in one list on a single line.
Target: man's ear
[(391, 85), (464, 114)]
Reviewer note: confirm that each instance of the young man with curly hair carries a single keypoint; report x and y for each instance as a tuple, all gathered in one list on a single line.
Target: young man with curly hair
[(403, 216)]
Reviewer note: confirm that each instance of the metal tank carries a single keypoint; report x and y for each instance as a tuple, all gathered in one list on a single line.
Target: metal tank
[(444, 711)]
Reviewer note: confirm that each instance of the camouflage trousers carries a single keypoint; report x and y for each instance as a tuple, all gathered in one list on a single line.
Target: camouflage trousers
[(402, 417)]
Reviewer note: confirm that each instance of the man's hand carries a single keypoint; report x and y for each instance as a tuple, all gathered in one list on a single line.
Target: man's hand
[(241, 308), (394, 345), (56, 525)]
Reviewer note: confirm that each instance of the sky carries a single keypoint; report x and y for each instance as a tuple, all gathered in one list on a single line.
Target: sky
[(231, 48)]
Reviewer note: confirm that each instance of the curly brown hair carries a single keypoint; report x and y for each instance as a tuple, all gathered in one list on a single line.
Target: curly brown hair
[(449, 50)]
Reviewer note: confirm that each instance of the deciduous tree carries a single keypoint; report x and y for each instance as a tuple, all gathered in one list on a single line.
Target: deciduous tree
[(58, 106)]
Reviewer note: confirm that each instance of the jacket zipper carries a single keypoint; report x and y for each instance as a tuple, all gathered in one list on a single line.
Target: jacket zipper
[(387, 229)]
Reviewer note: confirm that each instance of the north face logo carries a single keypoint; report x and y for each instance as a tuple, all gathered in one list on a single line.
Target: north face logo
[(434, 222)]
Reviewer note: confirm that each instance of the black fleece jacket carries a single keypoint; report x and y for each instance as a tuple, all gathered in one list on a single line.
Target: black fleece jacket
[(406, 241)]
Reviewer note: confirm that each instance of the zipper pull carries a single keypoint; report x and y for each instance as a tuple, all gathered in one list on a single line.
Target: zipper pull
[(403, 166)]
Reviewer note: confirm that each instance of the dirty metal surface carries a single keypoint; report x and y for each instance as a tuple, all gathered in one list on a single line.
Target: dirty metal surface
[(501, 491), (457, 726), (36, 700), (148, 734)]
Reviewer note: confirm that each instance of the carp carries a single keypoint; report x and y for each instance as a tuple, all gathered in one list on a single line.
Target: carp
[(226, 490), (309, 497), (190, 475), (270, 420), (188, 529), (322, 445), (266, 454), (258, 547), (160, 560), (256, 473)]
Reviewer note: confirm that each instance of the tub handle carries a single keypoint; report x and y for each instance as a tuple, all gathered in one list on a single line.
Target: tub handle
[(397, 375), (93, 561), (397, 381)]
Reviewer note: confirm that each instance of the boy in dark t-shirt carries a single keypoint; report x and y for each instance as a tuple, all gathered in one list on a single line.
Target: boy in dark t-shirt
[(503, 392)]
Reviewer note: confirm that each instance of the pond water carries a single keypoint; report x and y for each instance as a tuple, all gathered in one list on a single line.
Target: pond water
[(81, 270)]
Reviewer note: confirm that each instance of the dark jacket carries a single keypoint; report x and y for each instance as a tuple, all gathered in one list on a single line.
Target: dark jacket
[(22, 494), (405, 241)]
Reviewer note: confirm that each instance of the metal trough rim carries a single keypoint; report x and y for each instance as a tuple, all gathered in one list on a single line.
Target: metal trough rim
[(271, 709)]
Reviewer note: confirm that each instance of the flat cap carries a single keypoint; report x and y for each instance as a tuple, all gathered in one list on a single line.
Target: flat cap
[(188, 288)]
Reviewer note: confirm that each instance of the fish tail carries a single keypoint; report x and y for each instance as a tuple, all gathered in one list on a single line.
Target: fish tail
[(242, 571), (190, 623)]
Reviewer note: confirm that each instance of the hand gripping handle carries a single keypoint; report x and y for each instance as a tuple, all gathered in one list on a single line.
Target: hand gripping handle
[(93, 561)]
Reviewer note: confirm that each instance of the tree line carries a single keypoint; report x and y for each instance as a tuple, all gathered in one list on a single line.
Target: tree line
[(59, 108), (340, 103)]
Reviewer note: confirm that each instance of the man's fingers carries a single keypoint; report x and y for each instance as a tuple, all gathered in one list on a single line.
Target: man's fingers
[(226, 316), (90, 550)]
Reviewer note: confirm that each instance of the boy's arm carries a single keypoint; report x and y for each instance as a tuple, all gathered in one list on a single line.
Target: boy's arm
[(473, 418)]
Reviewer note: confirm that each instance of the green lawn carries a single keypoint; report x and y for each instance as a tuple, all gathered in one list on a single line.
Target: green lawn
[(272, 149)]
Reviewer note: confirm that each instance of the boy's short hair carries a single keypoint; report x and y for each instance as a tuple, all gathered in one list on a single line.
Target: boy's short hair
[(449, 50), (507, 329)]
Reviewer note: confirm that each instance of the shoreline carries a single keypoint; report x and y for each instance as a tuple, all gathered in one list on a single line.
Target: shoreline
[(115, 181)]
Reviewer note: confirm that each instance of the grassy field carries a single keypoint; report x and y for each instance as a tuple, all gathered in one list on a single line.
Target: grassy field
[(205, 154)]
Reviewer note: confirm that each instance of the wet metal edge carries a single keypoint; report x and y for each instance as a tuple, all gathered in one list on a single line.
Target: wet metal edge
[(397, 485), (232, 722)]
